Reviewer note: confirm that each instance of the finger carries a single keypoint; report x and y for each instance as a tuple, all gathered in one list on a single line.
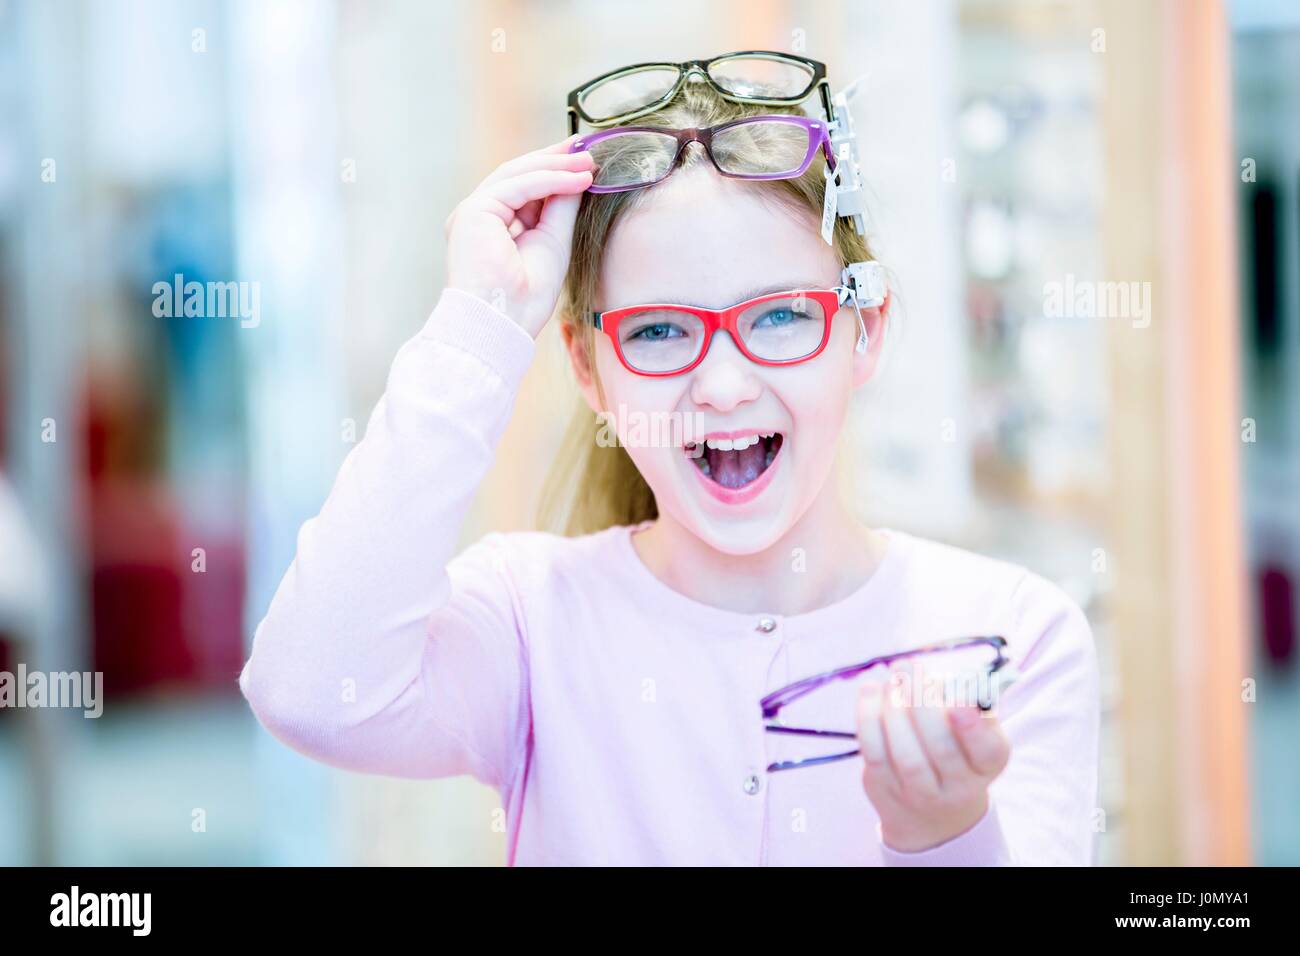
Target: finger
[(555, 156), (558, 217), (523, 219), (911, 765), (575, 162), (983, 741), (513, 194), (871, 732), (561, 146), (530, 214), (554, 233), (529, 162), (938, 738), (506, 198)]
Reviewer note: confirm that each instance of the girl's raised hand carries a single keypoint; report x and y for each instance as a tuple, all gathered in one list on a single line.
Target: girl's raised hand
[(508, 241), (927, 767)]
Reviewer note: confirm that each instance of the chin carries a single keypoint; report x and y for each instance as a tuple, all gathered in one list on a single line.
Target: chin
[(753, 506), (740, 536)]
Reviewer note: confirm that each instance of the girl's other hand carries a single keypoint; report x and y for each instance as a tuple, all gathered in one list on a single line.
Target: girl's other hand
[(927, 768), (508, 242)]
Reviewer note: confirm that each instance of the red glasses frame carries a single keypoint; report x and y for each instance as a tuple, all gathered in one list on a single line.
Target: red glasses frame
[(830, 300)]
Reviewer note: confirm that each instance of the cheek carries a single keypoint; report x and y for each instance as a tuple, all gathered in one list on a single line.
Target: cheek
[(642, 407), (818, 421), (819, 401), (608, 368)]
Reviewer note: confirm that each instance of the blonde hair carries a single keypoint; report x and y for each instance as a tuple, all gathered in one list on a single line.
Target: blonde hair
[(592, 486)]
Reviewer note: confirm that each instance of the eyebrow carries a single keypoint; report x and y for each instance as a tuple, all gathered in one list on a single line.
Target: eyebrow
[(805, 284)]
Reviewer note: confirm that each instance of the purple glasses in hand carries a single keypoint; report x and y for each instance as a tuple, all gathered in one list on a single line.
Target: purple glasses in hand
[(756, 147), (979, 663)]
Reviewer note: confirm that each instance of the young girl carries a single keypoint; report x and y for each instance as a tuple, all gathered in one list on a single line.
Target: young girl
[(607, 682)]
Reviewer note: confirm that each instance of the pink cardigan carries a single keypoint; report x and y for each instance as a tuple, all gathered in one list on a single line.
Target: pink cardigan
[(617, 718)]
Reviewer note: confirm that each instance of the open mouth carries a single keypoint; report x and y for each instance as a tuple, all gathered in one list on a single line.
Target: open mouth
[(735, 462)]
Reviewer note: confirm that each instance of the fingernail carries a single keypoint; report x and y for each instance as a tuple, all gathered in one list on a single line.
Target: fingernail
[(966, 716)]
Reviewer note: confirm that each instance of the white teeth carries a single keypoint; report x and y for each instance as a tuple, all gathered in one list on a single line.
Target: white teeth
[(695, 450), (736, 444)]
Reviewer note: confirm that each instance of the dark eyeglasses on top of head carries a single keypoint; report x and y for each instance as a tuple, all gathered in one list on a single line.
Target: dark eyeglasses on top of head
[(747, 76)]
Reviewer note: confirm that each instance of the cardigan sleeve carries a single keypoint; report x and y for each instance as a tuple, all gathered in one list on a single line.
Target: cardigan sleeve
[(382, 651)]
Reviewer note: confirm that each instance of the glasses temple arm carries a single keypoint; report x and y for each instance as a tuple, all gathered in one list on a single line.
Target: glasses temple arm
[(810, 761), (824, 89), (809, 732)]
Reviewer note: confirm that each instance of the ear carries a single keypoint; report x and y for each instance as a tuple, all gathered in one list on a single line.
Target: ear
[(875, 319), (581, 362)]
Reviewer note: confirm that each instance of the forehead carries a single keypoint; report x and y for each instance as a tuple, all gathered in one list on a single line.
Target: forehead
[(701, 239)]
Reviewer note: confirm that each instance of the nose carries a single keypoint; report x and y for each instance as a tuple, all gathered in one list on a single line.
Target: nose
[(725, 379)]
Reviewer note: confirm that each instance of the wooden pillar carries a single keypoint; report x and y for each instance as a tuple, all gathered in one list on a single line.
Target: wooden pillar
[(1205, 363), (1175, 528)]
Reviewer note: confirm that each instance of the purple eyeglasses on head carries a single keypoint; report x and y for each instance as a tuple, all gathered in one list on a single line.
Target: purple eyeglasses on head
[(779, 146), (981, 659)]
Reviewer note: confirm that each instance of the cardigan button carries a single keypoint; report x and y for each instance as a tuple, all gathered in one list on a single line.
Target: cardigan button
[(752, 784), (766, 625)]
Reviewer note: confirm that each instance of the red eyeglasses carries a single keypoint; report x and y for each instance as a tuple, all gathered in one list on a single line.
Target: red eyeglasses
[(781, 328)]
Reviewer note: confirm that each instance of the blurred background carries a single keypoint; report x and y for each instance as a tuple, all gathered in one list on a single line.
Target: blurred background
[(154, 469)]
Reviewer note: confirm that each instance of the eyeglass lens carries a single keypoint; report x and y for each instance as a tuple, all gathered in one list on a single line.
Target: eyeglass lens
[(950, 677)]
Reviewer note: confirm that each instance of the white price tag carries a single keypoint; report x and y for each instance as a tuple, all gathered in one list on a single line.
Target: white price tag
[(829, 208)]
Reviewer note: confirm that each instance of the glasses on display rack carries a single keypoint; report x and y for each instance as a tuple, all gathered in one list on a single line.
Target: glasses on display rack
[(969, 670), (757, 147), (747, 76)]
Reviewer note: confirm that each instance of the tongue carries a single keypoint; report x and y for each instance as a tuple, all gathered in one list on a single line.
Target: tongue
[(734, 469)]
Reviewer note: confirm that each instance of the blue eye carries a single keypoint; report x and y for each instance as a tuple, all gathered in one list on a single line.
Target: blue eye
[(657, 332), (778, 318)]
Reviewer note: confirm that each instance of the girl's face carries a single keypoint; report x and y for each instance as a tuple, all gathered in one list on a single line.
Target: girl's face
[(707, 241)]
